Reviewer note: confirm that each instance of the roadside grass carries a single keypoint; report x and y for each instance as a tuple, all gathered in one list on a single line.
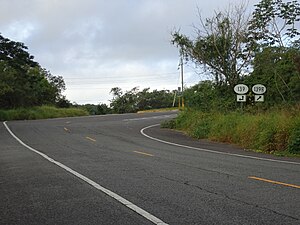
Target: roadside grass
[(40, 112), (276, 132)]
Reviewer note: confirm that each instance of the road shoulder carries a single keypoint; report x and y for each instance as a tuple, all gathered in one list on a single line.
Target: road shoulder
[(178, 137)]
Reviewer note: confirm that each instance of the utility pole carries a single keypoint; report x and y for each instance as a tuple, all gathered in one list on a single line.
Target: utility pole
[(181, 73)]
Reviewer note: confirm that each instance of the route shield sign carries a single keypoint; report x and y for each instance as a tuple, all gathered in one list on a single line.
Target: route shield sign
[(241, 89), (259, 89)]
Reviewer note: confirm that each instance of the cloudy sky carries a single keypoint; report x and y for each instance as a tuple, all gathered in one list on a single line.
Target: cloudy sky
[(99, 44)]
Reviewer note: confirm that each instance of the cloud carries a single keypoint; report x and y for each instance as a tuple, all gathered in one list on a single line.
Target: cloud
[(96, 45)]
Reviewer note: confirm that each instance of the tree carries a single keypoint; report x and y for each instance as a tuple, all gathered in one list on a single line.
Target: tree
[(135, 100), (273, 23), (103, 109), (161, 99), (144, 99), (220, 45), (278, 71), (23, 81), (62, 102), (15, 54), (124, 103), (116, 92), (276, 40), (57, 83), (206, 97), (201, 96)]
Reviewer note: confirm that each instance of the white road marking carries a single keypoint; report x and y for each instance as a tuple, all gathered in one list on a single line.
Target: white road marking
[(91, 139), (120, 199), (211, 151), (143, 153)]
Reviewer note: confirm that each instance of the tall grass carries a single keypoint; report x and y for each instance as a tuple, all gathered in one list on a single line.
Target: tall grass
[(40, 112), (272, 132)]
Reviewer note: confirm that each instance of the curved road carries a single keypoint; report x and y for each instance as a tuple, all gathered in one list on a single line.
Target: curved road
[(123, 169)]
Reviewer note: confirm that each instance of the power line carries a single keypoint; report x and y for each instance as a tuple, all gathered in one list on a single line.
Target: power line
[(164, 76), (82, 77), (102, 82)]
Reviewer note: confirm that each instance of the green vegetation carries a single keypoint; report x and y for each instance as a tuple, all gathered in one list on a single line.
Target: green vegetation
[(134, 100), (100, 109), (40, 112), (276, 131), (25, 86), (23, 82), (233, 48)]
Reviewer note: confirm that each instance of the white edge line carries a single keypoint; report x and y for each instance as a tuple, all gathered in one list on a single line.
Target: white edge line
[(208, 150), (117, 197)]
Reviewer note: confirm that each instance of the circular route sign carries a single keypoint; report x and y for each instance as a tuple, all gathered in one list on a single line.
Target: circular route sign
[(259, 89), (241, 89)]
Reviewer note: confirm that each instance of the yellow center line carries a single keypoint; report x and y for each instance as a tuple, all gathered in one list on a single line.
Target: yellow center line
[(91, 139), (143, 153), (274, 182)]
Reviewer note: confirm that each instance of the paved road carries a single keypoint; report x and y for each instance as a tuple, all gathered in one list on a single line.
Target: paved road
[(60, 174)]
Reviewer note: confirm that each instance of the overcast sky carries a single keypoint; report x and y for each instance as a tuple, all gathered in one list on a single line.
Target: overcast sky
[(99, 44)]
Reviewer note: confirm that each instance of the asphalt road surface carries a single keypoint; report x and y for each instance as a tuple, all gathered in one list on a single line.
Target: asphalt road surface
[(124, 169)]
